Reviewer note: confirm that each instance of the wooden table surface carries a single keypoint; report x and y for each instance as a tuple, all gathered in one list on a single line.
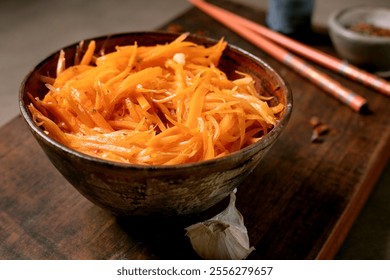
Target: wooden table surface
[(298, 204)]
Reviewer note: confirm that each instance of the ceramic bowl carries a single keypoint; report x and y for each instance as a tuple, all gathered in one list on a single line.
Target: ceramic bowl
[(362, 49), (139, 190)]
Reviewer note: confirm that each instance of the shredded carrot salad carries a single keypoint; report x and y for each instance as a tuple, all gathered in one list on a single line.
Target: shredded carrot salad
[(156, 105)]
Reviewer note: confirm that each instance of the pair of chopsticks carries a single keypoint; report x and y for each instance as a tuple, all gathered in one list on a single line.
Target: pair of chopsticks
[(265, 39)]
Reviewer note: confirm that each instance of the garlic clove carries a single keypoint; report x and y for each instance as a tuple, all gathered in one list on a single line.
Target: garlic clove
[(222, 237)]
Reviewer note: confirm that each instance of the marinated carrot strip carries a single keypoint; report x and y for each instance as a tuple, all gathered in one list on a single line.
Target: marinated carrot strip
[(142, 101), (133, 112), (165, 51), (126, 71), (196, 106), (69, 73), (36, 102), (104, 150), (89, 53), (70, 122), (51, 128), (155, 119), (77, 56), (123, 124), (46, 79), (79, 109), (261, 107), (100, 121), (166, 134), (216, 50), (277, 109), (61, 63), (128, 85), (156, 105), (99, 97)]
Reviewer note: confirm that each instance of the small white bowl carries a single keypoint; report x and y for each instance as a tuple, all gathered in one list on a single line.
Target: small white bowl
[(368, 51)]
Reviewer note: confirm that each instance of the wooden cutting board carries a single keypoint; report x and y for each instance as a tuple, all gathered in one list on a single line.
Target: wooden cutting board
[(298, 204)]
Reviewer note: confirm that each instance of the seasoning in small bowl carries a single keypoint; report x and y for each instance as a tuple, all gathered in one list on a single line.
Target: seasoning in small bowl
[(361, 35), (369, 29)]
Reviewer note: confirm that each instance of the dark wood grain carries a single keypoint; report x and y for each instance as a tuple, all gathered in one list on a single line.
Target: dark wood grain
[(299, 204)]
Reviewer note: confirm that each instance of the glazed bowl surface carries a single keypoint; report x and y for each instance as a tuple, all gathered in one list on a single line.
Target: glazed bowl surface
[(143, 190), (354, 34)]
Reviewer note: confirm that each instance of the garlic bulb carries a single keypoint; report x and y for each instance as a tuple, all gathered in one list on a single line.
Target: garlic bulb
[(222, 237)]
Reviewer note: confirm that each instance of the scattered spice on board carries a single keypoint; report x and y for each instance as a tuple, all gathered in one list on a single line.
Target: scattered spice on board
[(318, 129), (370, 29)]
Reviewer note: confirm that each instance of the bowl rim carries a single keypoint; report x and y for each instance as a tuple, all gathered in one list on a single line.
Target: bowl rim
[(265, 140), (336, 26)]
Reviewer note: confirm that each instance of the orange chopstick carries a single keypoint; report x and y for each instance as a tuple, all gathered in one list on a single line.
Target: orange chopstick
[(351, 99), (317, 56)]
